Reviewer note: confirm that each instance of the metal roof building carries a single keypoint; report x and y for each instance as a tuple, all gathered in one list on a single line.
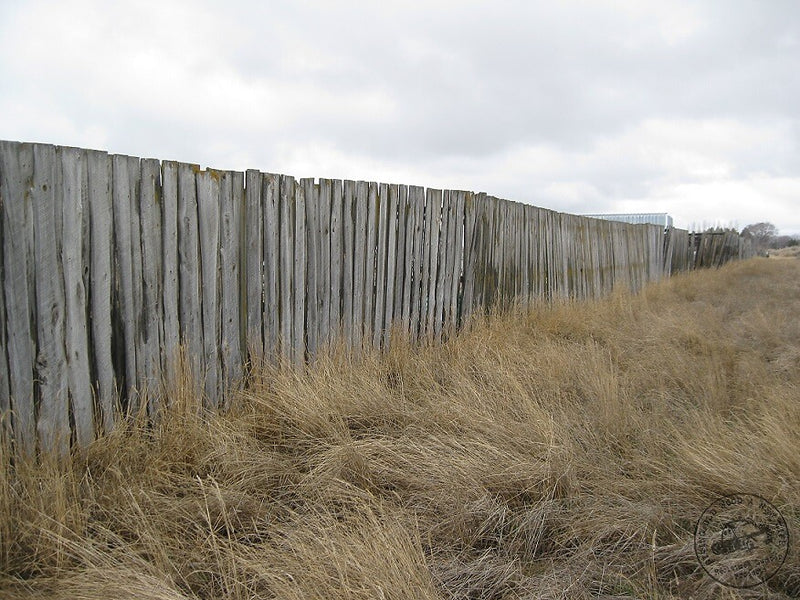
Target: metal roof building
[(662, 219)]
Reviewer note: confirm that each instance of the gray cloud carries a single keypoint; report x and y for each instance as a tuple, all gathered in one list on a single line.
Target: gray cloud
[(576, 105)]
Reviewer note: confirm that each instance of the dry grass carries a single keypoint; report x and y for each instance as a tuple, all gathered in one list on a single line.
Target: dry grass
[(563, 453)]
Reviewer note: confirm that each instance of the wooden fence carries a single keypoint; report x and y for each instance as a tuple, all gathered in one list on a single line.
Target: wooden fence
[(110, 264)]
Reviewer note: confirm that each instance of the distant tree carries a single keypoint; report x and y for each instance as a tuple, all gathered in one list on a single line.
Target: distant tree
[(761, 234)]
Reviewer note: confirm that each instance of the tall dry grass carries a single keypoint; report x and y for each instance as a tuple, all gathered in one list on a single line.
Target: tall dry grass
[(563, 452)]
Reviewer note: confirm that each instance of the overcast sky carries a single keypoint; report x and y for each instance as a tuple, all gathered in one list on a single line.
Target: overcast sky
[(690, 108)]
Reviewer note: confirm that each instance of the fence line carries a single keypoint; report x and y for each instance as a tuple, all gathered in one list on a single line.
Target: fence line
[(110, 264)]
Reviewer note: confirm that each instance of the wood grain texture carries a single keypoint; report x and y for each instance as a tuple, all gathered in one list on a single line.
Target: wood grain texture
[(313, 274), (16, 171), (348, 259), (368, 195), (151, 336), (300, 284), (208, 218), (393, 197), (169, 243), (123, 197), (100, 291), (287, 249), (270, 192), (189, 305), (381, 203), (53, 410), (231, 203), (253, 260), (337, 257), (74, 187), (360, 254)]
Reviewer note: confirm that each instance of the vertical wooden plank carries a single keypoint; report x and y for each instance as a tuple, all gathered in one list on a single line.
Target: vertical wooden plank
[(190, 310), (6, 433), (134, 176), (433, 215), (287, 244), (169, 242), (348, 260), (254, 256), (208, 220), (382, 230), (416, 196), (393, 195), (324, 261), (152, 253), (409, 226), (400, 253), (299, 329), (337, 256), (123, 196), (270, 192), (53, 422), (73, 168), (467, 300), (361, 252), (456, 264), (442, 287), (16, 171), (231, 197), (100, 290), (367, 195), (312, 266)]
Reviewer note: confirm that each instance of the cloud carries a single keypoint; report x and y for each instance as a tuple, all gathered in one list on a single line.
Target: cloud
[(575, 105)]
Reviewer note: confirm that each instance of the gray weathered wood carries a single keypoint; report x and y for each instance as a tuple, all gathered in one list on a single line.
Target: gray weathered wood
[(348, 259), (100, 291), (122, 197), (189, 306), (298, 325), (16, 170), (368, 193), (360, 253), (313, 235), (400, 253), (231, 187), (253, 260), (73, 166), (324, 261), (208, 206), (137, 278), (53, 410), (169, 242), (287, 249), (151, 336), (416, 197), (270, 193), (337, 252), (381, 240), (434, 214), (442, 287), (409, 226), (391, 261)]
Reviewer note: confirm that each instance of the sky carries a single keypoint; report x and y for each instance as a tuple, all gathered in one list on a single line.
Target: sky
[(690, 108)]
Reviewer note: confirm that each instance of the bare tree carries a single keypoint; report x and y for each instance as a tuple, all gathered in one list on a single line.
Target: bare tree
[(761, 234)]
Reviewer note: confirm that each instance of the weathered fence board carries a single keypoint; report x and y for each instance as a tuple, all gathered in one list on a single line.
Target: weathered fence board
[(73, 166), (189, 307), (110, 265), (170, 296), (16, 171), (230, 220)]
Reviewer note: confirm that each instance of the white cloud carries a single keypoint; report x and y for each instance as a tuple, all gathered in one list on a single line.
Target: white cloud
[(687, 107)]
